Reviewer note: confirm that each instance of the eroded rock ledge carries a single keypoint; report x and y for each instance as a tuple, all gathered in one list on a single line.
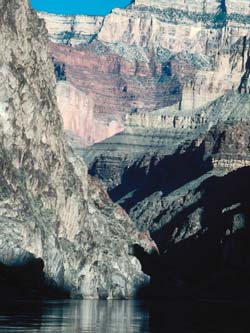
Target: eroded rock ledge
[(151, 55)]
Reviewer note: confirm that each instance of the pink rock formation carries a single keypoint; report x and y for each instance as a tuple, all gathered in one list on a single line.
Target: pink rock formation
[(78, 117), (115, 83), (148, 56), (112, 85)]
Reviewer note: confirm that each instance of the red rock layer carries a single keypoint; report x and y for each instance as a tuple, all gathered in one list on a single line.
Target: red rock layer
[(116, 85)]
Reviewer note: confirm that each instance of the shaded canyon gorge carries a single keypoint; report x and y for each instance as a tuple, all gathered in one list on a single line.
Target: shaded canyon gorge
[(125, 151), (174, 78)]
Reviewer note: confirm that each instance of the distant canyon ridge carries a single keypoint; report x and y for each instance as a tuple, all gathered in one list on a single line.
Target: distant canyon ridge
[(151, 55)]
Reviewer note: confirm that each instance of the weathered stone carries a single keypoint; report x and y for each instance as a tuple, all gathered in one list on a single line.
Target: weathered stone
[(49, 206), (157, 53)]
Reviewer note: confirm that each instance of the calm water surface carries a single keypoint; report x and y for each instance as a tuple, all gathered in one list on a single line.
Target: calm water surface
[(74, 316), (123, 317)]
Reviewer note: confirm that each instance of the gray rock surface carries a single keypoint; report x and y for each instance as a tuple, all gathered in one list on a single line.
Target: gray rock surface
[(49, 206), (151, 136)]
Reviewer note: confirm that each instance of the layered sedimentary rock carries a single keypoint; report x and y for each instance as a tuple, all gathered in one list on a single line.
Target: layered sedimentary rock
[(150, 138), (184, 176), (210, 6), (115, 84), (49, 207), (206, 6), (73, 30), (202, 223), (77, 111), (223, 149), (206, 52), (181, 165), (155, 54)]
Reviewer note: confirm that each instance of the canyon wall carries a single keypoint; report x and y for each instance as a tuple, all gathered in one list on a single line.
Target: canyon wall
[(167, 147), (238, 7), (153, 54), (176, 74), (241, 7), (73, 30), (207, 6), (77, 111), (49, 207)]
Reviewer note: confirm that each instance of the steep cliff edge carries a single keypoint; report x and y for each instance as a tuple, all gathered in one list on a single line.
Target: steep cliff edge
[(197, 6), (152, 144), (49, 207), (177, 75), (154, 54), (72, 29)]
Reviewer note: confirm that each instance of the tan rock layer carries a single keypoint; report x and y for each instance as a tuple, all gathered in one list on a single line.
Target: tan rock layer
[(142, 58)]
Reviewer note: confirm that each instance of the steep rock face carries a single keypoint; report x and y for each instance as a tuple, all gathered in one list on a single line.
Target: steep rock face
[(185, 179), (165, 149), (238, 7), (187, 5), (202, 233), (171, 169), (206, 58), (49, 207), (78, 116), (223, 149), (115, 84), (155, 54), (199, 6), (73, 30)]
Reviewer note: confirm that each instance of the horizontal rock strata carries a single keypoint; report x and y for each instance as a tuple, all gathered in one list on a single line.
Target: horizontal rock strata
[(154, 54)]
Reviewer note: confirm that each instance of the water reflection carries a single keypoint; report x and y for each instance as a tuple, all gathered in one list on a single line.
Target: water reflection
[(124, 317), (75, 317)]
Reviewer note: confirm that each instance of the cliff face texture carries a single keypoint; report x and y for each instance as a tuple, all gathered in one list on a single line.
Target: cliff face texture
[(151, 55), (175, 76), (185, 179), (77, 109), (49, 207), (166, 147), (72, 30), (198, 6)]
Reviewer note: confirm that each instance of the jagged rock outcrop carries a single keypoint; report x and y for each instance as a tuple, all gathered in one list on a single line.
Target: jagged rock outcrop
[(181, 165), (49, 207), (151, 138), (156, 53), (202, 233), (192, 197)]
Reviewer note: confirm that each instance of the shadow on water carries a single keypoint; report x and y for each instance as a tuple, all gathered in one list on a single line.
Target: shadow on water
[(198, 317), (74, 316), (89, 316)]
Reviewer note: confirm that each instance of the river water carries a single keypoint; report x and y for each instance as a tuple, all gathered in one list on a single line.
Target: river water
[(77, 316)]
